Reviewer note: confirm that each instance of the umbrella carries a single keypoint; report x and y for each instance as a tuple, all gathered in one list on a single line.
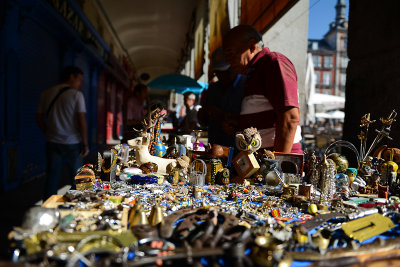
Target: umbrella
[(178, 82), (327, 99), (337, 114), (194, 90), (322, 115), (324, 102)]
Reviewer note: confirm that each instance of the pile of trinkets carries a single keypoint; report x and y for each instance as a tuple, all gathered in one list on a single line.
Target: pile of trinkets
[(211, 207)]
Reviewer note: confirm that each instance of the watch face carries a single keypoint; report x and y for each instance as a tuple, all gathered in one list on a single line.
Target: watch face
[(243, 164)]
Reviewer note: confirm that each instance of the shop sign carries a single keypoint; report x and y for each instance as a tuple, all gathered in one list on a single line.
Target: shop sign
[(73, 19)]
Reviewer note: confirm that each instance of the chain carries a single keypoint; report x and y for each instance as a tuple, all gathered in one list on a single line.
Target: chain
[(112, 164)]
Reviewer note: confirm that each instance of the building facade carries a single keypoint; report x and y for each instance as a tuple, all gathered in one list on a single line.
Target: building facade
[(330, 55), (39, 38)]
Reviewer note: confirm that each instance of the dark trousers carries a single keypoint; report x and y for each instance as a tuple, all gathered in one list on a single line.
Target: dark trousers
[(56, 155)]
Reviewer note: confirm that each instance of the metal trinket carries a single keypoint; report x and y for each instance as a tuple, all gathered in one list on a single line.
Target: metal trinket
[(367, 227)]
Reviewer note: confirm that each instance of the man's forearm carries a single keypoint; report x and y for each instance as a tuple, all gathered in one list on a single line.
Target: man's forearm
[(286, 130), (284, 136)]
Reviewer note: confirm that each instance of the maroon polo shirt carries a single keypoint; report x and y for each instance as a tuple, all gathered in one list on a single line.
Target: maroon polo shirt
[(271, 87)]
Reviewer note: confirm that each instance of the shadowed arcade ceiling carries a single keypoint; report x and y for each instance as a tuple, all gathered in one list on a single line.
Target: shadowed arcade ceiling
[(152, 31)]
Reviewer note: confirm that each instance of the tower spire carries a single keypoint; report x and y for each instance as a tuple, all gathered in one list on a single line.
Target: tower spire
[(340, 13)]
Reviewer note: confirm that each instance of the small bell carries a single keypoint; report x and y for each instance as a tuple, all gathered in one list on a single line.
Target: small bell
[(135, 208), (156, 215), (196, 192), (139, 218)]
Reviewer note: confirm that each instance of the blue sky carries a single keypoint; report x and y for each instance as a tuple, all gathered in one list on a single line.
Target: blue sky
[(321, 14)]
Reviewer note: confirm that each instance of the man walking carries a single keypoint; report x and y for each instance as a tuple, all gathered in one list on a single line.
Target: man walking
[(61, 117)]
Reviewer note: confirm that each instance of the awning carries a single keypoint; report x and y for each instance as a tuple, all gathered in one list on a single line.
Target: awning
[(324, 103), (262, 14), (336, 114), (327, 99), (179, 83)]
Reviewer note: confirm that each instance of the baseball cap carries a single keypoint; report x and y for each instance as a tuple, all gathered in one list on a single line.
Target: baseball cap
[(218, 60), (190, 96)]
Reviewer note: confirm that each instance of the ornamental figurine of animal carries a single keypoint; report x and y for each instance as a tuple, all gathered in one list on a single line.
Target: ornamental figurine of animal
[(141, 146), (249, 140)]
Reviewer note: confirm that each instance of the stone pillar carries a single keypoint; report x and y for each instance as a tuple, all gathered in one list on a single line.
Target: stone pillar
[(373, 73)]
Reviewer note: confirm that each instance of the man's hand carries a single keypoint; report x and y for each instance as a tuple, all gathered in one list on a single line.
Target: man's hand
[(85, 151)]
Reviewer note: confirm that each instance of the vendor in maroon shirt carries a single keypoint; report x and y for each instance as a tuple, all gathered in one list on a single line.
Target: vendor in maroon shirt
[(270, 101)]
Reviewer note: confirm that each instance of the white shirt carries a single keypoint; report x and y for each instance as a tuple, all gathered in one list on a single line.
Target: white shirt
[(254, 104), (62, 121)]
